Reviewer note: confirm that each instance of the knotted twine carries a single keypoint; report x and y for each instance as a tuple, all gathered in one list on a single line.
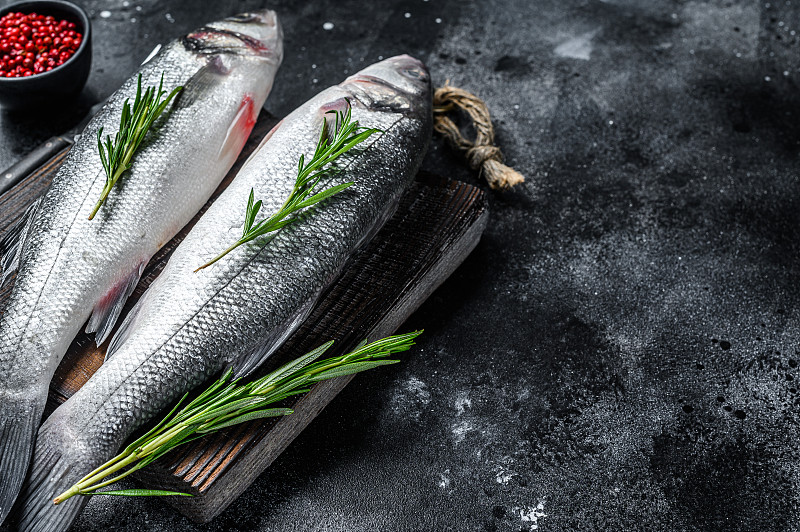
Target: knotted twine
[(481, 154)]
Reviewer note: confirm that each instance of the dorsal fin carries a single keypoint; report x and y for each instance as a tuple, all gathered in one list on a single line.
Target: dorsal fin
[(12, 241)]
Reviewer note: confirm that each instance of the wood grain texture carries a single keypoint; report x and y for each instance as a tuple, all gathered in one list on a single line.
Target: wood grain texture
[(436, 225)]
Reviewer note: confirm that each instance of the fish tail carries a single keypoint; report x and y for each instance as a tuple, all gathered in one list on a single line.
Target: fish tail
[(59, 461), (18, 422)]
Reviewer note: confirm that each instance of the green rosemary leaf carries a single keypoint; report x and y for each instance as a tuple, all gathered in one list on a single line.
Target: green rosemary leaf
[(260, 414), (155, 429), (288, 384), (183, 440), (252, 210), (351, 369), (280, 397), (134, 123), (346, 135), (142, 493), (328, 192), (227, 409), (226, 403), (289, 368)]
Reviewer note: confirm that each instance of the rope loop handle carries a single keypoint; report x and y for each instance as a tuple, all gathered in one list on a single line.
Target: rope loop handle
[(481, 154)]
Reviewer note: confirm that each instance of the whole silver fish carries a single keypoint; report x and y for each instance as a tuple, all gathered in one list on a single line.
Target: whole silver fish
[(71, 268), (189, 326)]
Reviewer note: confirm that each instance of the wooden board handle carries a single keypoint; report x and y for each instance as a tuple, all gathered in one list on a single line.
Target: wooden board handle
[(33, 161)]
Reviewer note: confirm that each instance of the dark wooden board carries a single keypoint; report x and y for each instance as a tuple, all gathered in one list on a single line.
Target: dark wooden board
[(436, 226)]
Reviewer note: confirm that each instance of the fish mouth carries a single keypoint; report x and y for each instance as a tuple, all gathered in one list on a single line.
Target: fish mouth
[(209, 40)]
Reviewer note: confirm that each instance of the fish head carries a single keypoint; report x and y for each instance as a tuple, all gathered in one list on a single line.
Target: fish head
[(398, 84), (254, 35), (244, 49)]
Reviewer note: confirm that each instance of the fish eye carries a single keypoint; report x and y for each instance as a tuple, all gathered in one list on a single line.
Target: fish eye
[(243, 17), (414, 73)]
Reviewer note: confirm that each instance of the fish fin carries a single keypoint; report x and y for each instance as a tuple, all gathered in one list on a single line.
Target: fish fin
[(108, 309), (339, 105), (152, 54), (11, 243), (245, 365), (240, 128), (196, 88), (124, 331), (328, 114), (18, 422), (59, 461), (131, 319)]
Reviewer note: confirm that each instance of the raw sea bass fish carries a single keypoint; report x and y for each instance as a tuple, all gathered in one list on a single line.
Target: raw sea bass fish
[(190, 326), (70, 267)]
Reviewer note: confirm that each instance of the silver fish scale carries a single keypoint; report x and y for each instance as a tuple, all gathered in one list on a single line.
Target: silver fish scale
[(41, 303), (72, 267), (68, 262), (190, 326)]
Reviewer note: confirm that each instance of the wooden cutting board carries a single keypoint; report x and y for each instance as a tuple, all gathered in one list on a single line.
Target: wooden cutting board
[(436, 226)]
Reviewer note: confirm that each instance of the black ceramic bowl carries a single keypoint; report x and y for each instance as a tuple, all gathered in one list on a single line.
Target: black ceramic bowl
[(64, 81)]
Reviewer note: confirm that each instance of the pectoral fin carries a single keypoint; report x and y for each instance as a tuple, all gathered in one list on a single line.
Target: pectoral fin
[(239, 129), (131, 320), (246, 364), (107, 310)]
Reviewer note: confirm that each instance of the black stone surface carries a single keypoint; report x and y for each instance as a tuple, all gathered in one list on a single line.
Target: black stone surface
[(620, 351)]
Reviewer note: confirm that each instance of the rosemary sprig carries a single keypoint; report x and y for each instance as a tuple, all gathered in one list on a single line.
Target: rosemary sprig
[(347, 134), (227, 403), (133, 126)]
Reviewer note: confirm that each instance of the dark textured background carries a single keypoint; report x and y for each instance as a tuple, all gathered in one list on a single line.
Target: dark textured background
[(620, 351)]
